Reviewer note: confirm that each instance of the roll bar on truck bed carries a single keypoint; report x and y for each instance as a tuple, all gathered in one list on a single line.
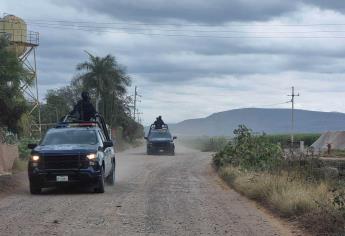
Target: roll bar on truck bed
[(71, 121)]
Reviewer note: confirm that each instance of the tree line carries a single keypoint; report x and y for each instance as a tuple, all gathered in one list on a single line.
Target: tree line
[(103, 77)]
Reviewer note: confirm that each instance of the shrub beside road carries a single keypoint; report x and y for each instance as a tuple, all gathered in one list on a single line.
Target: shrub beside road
[(297, 189)]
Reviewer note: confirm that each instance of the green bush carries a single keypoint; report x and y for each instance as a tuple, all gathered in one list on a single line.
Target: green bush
[(7, 137), (24, 152), (338, 198), (249, 151)]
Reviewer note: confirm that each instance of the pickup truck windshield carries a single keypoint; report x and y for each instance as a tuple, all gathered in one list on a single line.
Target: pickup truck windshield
[(158, 134), (70, 137)]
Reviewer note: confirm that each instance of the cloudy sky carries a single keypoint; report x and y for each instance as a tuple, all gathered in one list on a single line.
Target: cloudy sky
[(191, 58)]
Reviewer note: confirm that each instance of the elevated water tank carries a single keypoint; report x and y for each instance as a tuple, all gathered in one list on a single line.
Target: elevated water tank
[(15, 30)]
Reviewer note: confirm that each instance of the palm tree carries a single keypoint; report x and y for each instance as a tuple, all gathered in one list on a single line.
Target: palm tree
[(105, 77)]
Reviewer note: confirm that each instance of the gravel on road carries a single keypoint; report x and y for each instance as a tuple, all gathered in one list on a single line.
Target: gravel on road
[(153, 195)]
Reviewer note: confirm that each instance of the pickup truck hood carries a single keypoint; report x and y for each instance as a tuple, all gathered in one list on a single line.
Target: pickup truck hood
[(66, 148), (160, 140)]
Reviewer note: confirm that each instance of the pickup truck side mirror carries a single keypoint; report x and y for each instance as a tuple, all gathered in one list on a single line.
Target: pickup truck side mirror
[(32, 145), (107, 144), (174, 137), (145, 137)]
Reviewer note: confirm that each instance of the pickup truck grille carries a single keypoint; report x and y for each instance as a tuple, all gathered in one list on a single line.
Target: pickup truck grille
[(62, 162), (161, 144)]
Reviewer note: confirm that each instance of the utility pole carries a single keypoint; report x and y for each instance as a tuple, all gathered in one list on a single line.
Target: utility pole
[(292, 95), (135, 102), (135, 110)]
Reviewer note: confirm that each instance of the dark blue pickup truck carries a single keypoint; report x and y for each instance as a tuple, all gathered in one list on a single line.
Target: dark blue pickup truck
[(160, 141), (78, 153)]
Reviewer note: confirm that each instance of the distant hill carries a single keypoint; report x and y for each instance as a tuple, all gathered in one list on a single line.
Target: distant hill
[(270, 121)]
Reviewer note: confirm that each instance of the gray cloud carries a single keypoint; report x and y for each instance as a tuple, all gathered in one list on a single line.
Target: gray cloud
[(198, 11), (210, 12), (328, 4), (197, 76)]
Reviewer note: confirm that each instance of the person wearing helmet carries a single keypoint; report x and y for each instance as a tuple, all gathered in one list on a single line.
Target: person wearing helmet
[(84, 110), (159, 123)]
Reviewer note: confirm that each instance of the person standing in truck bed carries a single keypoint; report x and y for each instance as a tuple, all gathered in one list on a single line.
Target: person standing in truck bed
[(159, 123), (84, 110)]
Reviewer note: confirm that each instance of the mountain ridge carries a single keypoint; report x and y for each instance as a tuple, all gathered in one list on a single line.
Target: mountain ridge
[(268, 120)]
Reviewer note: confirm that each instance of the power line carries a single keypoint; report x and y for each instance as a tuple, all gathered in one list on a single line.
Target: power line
[(109, 27), (185, 30), (274, 104), (195, 36), (189, 25)]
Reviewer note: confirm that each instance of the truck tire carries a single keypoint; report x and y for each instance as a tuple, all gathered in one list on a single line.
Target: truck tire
[(111, 176), (171, 150), (100, 184), (35, 188)]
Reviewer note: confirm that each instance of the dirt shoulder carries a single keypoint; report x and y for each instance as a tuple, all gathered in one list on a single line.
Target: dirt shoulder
[(11, 183)]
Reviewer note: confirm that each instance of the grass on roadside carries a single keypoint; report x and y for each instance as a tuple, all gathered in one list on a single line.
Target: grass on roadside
[(289, 195)]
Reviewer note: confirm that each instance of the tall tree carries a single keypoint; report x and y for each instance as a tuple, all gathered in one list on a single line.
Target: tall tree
[(104, 78), (12, 76), (60, 102), (107, 81)]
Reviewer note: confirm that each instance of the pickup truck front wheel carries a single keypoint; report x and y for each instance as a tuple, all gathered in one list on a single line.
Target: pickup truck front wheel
[(111, 176), (100, 184)]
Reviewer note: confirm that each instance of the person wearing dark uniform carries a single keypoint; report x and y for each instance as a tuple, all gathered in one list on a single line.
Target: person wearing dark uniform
[(159, 123), (84, 110)]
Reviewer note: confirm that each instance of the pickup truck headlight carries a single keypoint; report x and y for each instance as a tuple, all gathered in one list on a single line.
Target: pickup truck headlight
[(35, 158), (91, 156)]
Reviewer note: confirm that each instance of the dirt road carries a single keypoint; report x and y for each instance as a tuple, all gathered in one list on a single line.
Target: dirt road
[(154, 195)]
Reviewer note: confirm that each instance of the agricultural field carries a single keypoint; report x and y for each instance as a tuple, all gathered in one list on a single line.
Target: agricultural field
[(284, 139)]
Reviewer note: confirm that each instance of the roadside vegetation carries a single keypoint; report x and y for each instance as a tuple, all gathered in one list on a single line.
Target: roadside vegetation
[(335, 153), (107, 82), (205, 143), (284, 139), (302, 189), (216, 144), (103, 77), (13, 104)]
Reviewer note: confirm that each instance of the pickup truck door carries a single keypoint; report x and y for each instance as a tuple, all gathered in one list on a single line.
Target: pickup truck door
[(107, 156)]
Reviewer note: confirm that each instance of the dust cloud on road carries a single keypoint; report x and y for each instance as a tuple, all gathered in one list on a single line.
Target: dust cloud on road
[(153, 195)]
